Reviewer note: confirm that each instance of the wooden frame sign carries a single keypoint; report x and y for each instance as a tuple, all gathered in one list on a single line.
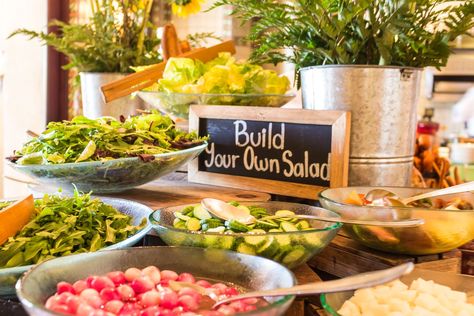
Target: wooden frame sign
[(289, 152)]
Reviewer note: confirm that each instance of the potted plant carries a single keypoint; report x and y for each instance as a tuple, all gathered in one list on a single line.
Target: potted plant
[(119, 35), (364, 56)]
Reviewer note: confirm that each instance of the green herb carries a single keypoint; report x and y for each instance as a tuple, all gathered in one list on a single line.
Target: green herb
[(118, 36), (64, 226), (83, 139), (381, 32), (4, 204)]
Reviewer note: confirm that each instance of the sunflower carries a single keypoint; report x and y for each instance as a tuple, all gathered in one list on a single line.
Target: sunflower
[(183, 8)]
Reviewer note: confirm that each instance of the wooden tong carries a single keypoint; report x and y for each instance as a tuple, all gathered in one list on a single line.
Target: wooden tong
[(143, 79)]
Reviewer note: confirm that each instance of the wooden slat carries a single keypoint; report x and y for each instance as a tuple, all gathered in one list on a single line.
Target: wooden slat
[(345, 257)]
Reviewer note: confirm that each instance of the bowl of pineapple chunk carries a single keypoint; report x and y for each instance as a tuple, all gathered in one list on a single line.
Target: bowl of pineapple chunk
[(421, 293)]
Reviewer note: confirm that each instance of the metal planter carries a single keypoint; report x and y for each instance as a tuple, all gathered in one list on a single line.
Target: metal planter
[(383, 102), (93, 104)]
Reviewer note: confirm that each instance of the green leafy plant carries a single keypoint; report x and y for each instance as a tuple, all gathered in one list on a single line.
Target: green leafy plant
[(413, 33), (118, 35)]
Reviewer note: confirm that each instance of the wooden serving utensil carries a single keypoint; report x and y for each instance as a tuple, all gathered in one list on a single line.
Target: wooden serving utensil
[(143, 79)]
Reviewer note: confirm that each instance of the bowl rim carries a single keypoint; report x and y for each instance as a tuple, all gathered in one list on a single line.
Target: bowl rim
[(287, 94), (283, 300), (117, 246), (384, 208), (328, 308), (154, 223), (196, 148)]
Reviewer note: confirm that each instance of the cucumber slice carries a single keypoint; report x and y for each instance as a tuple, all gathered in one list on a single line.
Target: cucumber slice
[(294, 256), (301, 225), (244, 208), (288, 227), (211, 222), (188, 210), (283, 239), (282, 252), (246, 248), (236, 226), (258, 240), (201, 213), (179, 224), (226, 242), (312, 241), (265, 225), (181, 216), (275, 230), (269, 248), (284, 213), (193, 224), (233, 203), (219, 229)]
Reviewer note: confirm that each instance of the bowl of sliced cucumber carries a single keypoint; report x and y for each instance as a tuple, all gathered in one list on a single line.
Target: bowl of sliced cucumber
[(290, 241)]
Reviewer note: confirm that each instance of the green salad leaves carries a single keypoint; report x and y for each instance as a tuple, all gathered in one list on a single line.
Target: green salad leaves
[(64, 226), (222, 75), (106, 138)]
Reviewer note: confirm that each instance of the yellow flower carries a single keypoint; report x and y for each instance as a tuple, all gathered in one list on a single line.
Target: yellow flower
[(183, 8)]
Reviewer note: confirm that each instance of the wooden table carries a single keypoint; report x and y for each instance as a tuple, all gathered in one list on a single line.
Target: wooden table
[(175, 190), (344, 257)]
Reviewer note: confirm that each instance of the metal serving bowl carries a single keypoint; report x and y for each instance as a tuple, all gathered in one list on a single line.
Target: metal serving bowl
[(333, 302), (9, 276), (443, 230), (247, 272), (108, 176), (306, 242)]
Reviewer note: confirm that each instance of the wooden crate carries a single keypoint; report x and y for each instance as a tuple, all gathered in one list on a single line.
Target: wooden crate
[(344, 257)]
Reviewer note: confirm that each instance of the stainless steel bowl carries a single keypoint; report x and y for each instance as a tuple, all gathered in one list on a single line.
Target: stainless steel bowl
[(443, 230), (248, 272)]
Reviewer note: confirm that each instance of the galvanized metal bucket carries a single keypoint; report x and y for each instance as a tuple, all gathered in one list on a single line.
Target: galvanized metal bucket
[(93, 105), (383, 102)]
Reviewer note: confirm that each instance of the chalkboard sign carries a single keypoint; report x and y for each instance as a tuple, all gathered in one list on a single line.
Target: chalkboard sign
[(283, 151)]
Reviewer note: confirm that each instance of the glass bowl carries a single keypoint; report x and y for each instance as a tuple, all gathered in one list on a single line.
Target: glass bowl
[(9, 276), (108, 176), (289, 248), (443, 230), (333, 302), (177, 104), (247, 272)]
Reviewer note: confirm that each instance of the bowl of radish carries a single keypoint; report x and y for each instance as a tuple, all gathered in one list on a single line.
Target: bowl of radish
[(288, 241), (152, 281)]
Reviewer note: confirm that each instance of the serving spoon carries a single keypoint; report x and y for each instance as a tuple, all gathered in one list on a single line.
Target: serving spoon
[(362, 280), (225, 211), (377, 194)]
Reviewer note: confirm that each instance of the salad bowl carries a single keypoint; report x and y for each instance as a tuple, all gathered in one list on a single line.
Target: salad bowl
[(8, 276), (290, 248), (177, 104), (248, 273), (443, 230), (332, 302), (108, 176)]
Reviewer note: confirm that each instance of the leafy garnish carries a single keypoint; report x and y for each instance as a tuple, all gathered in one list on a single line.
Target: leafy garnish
[(83, 139), (64, 226)]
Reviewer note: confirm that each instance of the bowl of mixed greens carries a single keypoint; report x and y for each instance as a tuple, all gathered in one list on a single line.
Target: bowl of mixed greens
[(222, 81), (290, 242), (106, 155), (63, 225)]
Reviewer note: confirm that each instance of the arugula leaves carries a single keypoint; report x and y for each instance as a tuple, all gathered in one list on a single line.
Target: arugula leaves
[(64, 226), (106, 138)]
